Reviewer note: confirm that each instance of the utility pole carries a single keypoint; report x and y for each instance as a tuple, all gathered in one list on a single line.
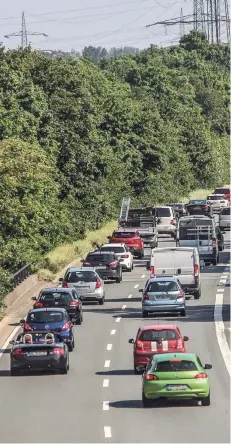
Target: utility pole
[(24, 33), (182, 27)]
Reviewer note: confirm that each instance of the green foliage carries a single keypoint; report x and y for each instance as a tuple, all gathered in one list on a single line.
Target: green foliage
[(76, 136)]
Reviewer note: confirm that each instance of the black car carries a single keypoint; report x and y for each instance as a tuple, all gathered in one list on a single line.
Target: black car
[(220, 239), (200, 207), (40, 350), (61, 298), (179, 209), (106, 265)]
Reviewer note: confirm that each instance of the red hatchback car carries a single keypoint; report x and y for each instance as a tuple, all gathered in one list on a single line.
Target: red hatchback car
[(155, 339), (130, 238)]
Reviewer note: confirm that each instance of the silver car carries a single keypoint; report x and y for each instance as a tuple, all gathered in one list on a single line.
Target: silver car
[(163, 295), (166, 221), (217, 202), (225, 219), (87, 283)]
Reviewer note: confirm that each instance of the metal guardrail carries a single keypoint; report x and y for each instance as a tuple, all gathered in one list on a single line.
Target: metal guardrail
[(21, 275)]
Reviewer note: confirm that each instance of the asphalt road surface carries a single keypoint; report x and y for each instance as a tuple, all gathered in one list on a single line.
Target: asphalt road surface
[(100, 398)]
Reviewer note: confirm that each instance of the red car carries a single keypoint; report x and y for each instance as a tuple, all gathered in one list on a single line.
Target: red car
[(130, 238), (224, 190), (156, 339)]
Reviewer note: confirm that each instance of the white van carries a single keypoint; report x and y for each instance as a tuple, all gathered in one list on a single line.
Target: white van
[(182, 262)]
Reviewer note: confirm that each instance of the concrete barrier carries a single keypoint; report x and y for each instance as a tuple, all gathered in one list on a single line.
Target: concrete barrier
[(20, 290)]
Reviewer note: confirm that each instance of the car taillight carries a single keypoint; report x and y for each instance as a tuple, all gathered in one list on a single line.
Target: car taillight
[(172, 222), (139, 344), (124, 256), (145, 297), (151, 377), (180, 295), (58, 351), (214, 242), (152, 270), (74, 303), (98, 284), (17, 352), (86, 264), (38, 304), (27, 327), (66, 326), (113, 264), (196, 271), (64, 285), (201, 376), (204, 206)]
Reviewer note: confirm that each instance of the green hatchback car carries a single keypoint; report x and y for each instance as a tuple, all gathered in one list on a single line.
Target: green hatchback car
[(175, 375)]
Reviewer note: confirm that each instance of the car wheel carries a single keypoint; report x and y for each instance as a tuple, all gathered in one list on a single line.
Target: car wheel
[(183, 313), (145, 314), (214, 261), (14, 372), (72, 345), (206, 401), (197, 294), (131, 268), (101, 301), (64, 370), (79, 320), (146, 402), (136, 371)]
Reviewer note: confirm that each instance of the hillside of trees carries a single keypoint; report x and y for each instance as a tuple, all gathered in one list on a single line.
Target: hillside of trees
[(76, 136)]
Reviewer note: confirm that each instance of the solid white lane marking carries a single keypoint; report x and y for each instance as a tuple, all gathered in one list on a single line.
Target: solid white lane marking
[(220, 332), (136, 286), (105, 382), (220, 290), (123, 307), (143, 276), (107, 363), (118, 319), (113, 332), (107, 432), (109, 347), (105, 405), (129, 296)]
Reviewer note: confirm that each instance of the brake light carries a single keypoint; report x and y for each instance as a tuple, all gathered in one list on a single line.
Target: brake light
[(58, 351), (180, 295), (27, 327), (98, 284), (139, 344), (17, 352), (172, 222), (66, 326), (38, 304), (201, 376), (125, 256), (214, 242), (151, 377), (65, 285), (113, 264), (204, 206), (86, 264), (196, 271), (145, 297), (152, 270), (74, 303)]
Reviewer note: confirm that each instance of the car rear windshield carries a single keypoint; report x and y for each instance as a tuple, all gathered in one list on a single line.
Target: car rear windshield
[(163, 212), (175, 366), (225, 211), (165, 286), (55, 297), (214, 197), (201, 233), (96, 258), (114, 249), (198, 202), (158, 335), (124, 234), (222, 191), (45, 316), (80, 276)]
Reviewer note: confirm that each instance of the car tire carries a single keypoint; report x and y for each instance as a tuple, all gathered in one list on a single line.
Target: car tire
[(72, 345), (206, 401), (214, 261), (79, 320), (146, 402), (119, 279), (197, 294), (136, 371), (101, 301), (130, 269), (183, 313), (64, 370), (145, 314)]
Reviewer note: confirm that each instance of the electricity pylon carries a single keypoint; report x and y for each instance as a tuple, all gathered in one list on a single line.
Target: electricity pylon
[(24, 33)]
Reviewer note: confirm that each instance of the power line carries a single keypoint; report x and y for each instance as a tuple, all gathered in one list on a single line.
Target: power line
[(24, 33)]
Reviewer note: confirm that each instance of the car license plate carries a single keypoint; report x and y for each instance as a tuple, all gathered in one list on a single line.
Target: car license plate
[(100, 268), (37, 353), (176, 387)]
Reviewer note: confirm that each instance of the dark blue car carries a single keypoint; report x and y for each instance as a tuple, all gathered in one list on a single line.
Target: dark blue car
[(50, 319)]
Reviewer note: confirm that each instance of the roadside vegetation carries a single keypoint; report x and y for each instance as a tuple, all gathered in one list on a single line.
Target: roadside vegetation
[(76, 136)]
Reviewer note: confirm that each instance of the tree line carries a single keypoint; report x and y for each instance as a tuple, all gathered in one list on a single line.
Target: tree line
[(76, 136)]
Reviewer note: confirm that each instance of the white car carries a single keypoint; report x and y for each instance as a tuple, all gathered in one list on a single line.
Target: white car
[(123, 254), (217, 202)]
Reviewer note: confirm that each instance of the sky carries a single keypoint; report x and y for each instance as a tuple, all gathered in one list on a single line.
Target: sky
[(74, 24)]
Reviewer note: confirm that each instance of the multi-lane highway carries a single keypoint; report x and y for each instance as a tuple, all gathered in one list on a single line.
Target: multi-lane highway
[(100, 398)]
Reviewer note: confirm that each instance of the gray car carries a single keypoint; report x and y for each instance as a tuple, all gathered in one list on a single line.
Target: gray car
[(163, 295), (87, 283), (225, 219)]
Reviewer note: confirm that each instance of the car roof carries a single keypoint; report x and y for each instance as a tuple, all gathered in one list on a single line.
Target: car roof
[(159, 327), (113, 245), (163, 206), (56, 290), (132, 230), (169, 356), (63, 310), (100, 252), (214, 194), (222, 188), (195, 216), (166, 278), (72, 269)]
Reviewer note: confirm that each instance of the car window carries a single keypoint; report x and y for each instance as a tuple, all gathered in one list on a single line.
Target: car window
[(198, 202), (163, 212), (45, 316), (175, 366), (125, 234), (114, 249), (214, 197), (222, 191), (162, 286), (96, 258), (81, 276), (54, 297), (158, 335)]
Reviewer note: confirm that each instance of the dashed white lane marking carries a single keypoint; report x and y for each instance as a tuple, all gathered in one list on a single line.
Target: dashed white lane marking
[(105, 382), (143, 276), (136, 286), (118, 319), (113, 332), (222, 281), (123, 307), (224, 277), (220, 332), (109, 347), (220, 290), (105, 405), (107, 432), (107, 363), (129, 296)]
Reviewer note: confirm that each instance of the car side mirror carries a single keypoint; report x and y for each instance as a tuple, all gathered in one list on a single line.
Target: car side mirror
[(141, 290), (141, 368), (22, 322), (34, 298), (148, 265), (131, 341), (60, 279), (208, 366), (179, 271), (186, 338), (12, 342)]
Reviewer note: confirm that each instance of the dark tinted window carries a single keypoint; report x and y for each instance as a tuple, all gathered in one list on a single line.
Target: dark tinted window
[(164, 286), (180, 366), (158, 335), (194, 234), (163, 212), (190, 223), (96, 258), (198, 202), (45, 316), (54, 297), (225, 211), (125, 234), (214, 197), (114, 249), (222, 191), (81, 276)]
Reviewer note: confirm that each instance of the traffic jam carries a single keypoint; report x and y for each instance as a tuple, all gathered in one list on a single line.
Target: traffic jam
[(49, 331)]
